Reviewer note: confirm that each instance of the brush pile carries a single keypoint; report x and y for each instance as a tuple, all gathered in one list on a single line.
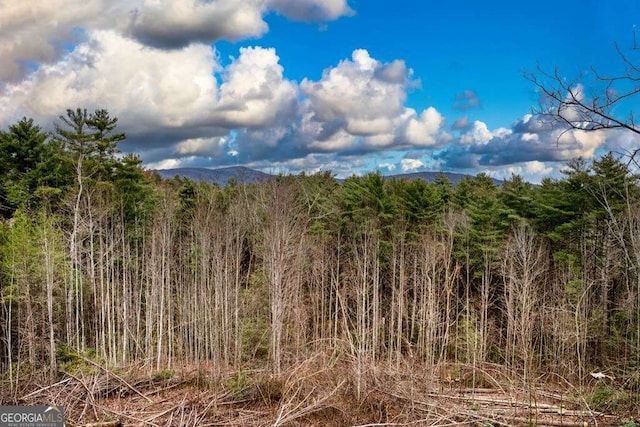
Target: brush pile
[(321, 391)]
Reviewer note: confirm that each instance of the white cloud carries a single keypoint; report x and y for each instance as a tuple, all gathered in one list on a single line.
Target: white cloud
[(340, 141), (254, 93), (341, 167), (501, 132), (580, 143), (382, 140), (422, 131), (409, 165), (622, 141), (207, 147), (144, 87), (150, 63), (478, 134), (571, 113), (163, 97), (537, 167), (177, 23), (460, 123), (312, 10), (34, 32), (533, 171), (531, 139), (529, 170), (255, 140), (41, 32), (170, 163), (388, 166), (351, 91), (373, 126), (364, 98)]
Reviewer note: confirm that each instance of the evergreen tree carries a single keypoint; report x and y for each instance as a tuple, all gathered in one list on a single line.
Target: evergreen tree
[(23, 152)]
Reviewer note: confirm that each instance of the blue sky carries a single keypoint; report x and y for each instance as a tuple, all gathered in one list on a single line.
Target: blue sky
[(307, 85)]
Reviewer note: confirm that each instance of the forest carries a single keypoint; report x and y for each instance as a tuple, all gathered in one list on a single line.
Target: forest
[(103, 263)]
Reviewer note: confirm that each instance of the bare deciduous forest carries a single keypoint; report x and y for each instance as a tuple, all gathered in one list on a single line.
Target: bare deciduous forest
[(303, 300)]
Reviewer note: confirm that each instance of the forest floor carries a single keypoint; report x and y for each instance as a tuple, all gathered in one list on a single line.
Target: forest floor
[(324, 392)]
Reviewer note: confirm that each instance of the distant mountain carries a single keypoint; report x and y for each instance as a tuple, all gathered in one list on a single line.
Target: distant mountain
[(220, 176), (245, 175), (454, 178)]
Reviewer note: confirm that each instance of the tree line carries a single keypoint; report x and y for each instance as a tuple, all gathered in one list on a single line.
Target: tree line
[(102, 258)]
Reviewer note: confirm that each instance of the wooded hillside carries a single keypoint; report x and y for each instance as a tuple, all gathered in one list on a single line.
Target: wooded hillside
[(102, 259)]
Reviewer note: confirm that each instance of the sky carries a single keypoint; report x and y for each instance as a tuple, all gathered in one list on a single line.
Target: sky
[(349, 86)]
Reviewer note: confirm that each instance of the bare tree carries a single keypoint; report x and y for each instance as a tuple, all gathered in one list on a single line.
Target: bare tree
[(51, 246), (283, 233), (523, 264), (592, 100)]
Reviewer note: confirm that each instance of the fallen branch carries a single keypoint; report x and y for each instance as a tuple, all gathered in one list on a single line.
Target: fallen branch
[(290, 415), (173, 408), (410, 423), (89, 395), (160, 390), (105, 424), (122, 415), (492, 421), (530, 421), (34, 393), (119, 378)]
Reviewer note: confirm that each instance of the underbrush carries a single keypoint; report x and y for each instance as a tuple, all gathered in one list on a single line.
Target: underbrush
[(611, 399), (330, 388)]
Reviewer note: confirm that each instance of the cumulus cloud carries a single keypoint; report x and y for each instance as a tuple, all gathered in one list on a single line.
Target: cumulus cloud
[(36, 32), (178, 23), (255, 93), (536, 167), (579, 143), (340, 166), (480, 134), (422, 130), (530, 141), (354, 91), (144, 87), (533, 125), (42, 32), (180, 106), (571, 113), (206, 147), (169, 102), (359, 105), (533, 171), (151, 64), (312, 10), (622, 141), (170, 163), (410, 165), (323, 136)]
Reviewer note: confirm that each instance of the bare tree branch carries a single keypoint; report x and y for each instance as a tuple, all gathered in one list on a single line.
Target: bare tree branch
[(591, 101)]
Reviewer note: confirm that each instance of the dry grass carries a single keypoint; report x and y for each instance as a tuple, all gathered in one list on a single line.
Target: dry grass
[(319, 391)]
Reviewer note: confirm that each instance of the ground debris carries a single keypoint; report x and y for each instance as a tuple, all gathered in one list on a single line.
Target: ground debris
[(311, 393)]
